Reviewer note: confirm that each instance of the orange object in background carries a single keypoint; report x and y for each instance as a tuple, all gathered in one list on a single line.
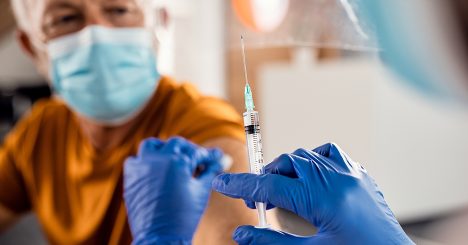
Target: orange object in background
[(261, 15)]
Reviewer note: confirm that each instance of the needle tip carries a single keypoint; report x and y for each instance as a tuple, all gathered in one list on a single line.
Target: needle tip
[(242, 37)]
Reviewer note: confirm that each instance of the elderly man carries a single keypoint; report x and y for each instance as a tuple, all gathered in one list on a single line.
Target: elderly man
[(64, 160)]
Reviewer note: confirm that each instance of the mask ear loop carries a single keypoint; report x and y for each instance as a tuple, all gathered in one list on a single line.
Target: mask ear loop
[(156, 21), (41, 46), (159, 24), (38, 44)]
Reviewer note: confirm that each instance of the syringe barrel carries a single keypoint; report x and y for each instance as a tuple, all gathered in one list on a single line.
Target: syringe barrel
[(255, 152), (254, 141)]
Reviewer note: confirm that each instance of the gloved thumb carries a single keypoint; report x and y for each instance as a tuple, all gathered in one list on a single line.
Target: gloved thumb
[(246, 235)]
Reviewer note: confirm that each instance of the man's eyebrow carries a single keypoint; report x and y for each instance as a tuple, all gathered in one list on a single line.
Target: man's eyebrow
[(60, 5), (116, 1)]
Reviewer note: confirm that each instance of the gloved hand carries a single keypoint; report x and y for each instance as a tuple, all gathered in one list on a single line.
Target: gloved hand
[(163, 198), (325, 187)]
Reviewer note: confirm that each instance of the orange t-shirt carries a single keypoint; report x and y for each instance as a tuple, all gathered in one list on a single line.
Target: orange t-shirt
[(46, 164)]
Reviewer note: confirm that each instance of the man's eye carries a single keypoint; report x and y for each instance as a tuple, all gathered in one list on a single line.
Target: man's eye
[(117, 10), (67, 19)]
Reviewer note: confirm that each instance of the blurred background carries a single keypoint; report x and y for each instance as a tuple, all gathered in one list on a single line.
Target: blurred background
[(312, 84)]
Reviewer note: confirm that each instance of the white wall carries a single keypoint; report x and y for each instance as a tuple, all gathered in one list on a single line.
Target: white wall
[(414, 147), (15, 67), (194, 48)]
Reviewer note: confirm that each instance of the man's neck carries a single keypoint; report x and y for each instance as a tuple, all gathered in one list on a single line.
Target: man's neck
[(103, 137)]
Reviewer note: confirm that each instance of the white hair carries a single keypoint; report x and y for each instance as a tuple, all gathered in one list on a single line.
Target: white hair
[(22, 8), (22, 15)]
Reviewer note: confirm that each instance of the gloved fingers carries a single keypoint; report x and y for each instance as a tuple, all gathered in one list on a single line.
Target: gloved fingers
[(149, 145), (295, 166), (215, 154), (179, 145), (191, 153), (210, 156), (317, 159), (301, 152), (134, 168), (326, 239), (251, 235), (273, 189), (301, 165), (205, 160), (276, 167), (313, 156), (333, 152), (246, 235), (324, 149), (212, 166), (282, 165)]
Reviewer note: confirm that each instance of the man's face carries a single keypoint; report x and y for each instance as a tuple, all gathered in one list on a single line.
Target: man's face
[(55, 18)]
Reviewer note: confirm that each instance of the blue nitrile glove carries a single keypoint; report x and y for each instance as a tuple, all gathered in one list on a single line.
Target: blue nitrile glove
[(325, 187), (163, 198)]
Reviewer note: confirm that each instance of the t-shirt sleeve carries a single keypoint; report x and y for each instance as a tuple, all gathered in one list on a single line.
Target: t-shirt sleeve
[(13, 191), (200, 118)]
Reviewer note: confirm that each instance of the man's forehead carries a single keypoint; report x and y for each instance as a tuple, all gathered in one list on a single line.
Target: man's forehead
[(38, 7), (41, 4), (44, 4)]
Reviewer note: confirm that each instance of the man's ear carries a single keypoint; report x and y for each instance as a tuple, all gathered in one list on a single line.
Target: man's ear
[(165, 17), (36, 55), (25, 43)]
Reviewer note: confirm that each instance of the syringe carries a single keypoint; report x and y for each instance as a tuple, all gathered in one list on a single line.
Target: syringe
[(254, 140)]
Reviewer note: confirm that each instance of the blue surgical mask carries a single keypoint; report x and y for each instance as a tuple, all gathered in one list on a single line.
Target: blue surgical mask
[(104, 74)]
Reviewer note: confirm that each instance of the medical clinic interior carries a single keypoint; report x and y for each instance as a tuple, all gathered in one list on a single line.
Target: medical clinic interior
[(90, 89)]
